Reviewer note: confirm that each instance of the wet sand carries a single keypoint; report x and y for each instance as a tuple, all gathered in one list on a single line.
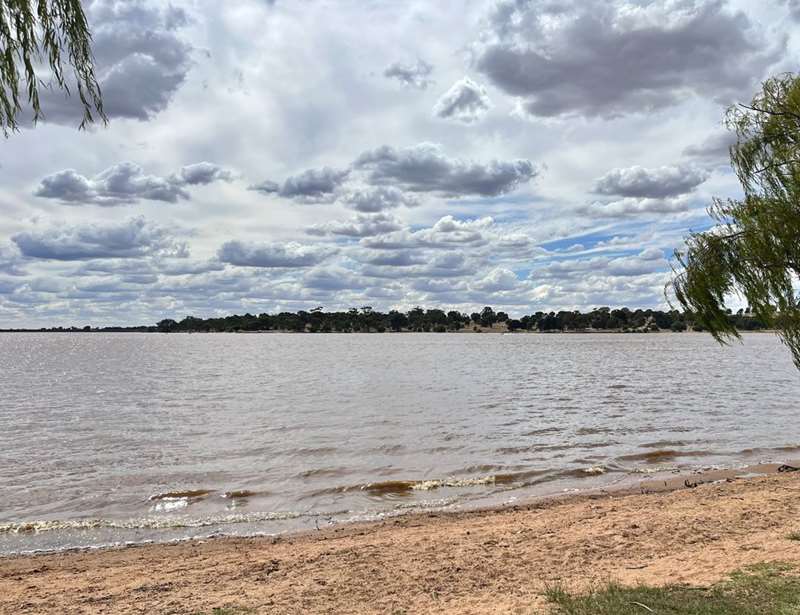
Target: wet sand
[(683, 530)]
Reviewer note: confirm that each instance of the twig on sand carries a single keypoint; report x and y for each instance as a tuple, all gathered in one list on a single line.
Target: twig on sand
[(644, 606)]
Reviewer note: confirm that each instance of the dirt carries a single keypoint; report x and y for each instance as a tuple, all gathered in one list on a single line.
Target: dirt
[(495, 561)]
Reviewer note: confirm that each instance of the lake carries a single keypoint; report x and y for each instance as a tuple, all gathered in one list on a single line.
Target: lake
[(110, 438)]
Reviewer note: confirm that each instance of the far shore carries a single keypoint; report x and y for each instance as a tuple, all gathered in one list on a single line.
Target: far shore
[(460, 331), (692, 529)]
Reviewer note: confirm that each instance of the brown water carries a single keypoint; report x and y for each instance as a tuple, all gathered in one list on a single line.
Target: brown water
[(111, 438)]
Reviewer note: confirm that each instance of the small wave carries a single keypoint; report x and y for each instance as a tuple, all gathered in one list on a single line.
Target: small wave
[(664, 443), (322, 472), (318, 450), (767, 450), (543, 431), (153, 523), (520, 479), (181, 495), (664, 455), (405, 487), (240, 494), (593, 431), (387, 449), (575, 473), (402, 486)]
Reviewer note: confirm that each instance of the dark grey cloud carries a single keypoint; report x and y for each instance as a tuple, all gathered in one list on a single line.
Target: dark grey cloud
[(410, 75), (333, 278), (183, 266), (272, 255), (794, 8), (120, 184), (9, 285), (129, 239), (10, 261), (714, 149), (651, 183), (125, 183), (604, 58), (265, 187), (405, 258), (313, 185), (465, 102), (373, 199), (440, 265), (140, 60), (361, 225), (203, 173), (425, 168)]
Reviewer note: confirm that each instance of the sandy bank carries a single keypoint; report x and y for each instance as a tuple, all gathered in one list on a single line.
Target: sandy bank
[(473, 562)]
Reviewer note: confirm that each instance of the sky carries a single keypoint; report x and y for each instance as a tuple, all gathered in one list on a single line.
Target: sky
[(264, 156)]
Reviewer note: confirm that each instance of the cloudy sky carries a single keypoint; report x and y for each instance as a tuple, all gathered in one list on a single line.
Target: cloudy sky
[(282, 155)]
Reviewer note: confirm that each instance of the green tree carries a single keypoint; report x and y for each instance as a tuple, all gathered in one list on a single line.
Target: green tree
[(754, 249), (488, 317), (397, 320), (37, 34)]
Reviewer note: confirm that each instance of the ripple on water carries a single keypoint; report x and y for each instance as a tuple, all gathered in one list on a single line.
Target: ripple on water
[(664, 455)]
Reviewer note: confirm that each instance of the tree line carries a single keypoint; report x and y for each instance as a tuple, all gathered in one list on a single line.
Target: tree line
[(368, 320)]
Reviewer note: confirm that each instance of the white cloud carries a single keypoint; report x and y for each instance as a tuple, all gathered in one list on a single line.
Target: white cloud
[(465, 102)]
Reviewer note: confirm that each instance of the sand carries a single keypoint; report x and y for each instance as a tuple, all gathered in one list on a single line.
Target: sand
[(495, 561)]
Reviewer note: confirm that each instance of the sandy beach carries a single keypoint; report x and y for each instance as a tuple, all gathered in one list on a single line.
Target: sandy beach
[(692, 531)]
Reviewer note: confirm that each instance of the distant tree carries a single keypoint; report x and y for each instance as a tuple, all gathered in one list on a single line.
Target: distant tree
[(514, 324), (166, 325), (754, 249), (397, 320), (418, 319), (502, 317), (488, 317), (54, 32), (455, 320), (436, 317), (550, 322)]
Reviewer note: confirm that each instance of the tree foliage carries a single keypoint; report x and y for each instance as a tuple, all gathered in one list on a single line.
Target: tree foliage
[(45, 43), (436, 320), (754, 249), (368, 320)]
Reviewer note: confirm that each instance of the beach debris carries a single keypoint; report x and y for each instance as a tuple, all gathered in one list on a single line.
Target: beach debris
[(644, 606), (787, 468), (687, 483)]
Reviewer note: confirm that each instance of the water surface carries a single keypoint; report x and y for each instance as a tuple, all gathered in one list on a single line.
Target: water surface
[(109, 438)]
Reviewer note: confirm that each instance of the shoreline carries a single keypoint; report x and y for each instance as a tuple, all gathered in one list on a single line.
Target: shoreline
[(654, 480), (484, 560), (495, 331)]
